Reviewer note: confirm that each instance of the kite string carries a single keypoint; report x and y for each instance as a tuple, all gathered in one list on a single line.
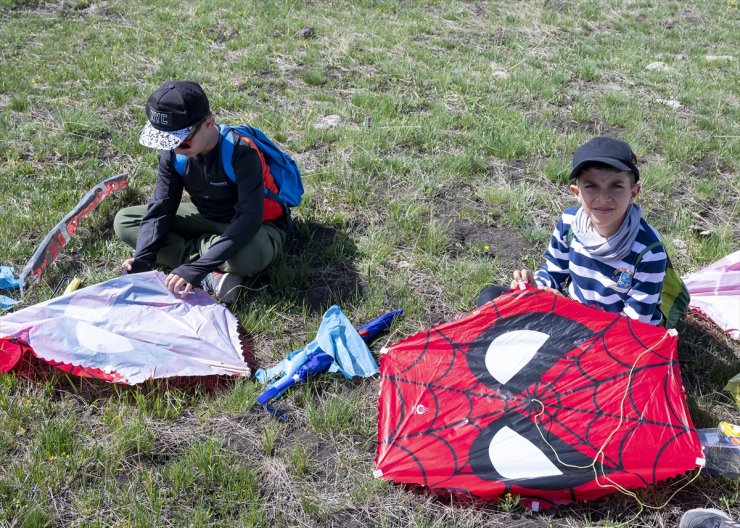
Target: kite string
[(600, 455)]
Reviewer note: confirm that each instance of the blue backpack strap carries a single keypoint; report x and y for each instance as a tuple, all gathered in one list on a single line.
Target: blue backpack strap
[(180, 163), (227, 143)]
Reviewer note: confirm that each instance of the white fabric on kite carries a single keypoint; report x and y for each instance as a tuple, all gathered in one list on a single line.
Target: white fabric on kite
[(715, 293), (134, 329)]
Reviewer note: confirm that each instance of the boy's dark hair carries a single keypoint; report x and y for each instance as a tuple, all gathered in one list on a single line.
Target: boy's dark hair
[(606, 151), (603, 166)]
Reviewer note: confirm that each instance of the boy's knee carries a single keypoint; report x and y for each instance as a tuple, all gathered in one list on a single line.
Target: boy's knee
[(488, 294), (126, 225), (259, 254)]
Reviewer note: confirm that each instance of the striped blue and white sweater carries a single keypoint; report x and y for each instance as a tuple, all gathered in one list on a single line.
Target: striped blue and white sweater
[(613, 285)]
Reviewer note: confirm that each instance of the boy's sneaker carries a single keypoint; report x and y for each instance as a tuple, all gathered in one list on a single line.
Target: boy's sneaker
[(223, 286), (707, 518)]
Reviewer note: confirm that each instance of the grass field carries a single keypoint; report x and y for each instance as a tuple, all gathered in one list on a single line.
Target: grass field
[(444, 169)]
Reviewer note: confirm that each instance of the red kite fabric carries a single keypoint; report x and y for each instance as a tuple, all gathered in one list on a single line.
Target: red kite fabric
[(538, 396)]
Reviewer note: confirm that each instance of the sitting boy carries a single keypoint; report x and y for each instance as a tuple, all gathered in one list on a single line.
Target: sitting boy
[(228, 230), (594, 249)]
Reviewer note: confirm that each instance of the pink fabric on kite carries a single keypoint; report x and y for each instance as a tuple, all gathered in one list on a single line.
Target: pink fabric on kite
[(128, 330), (715, 293)]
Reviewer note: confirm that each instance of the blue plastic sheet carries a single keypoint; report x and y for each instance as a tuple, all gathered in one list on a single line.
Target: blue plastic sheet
[(338, 338), (7, 279)]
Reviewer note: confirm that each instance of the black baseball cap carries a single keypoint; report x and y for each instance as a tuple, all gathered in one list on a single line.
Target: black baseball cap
[(171, 112), (607, 150)]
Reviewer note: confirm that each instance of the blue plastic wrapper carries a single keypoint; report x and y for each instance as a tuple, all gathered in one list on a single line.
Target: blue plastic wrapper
[(723, 458), (6, 302), (7, 282)]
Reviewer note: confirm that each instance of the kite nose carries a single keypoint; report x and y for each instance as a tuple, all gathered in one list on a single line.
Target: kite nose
[(535, 406)]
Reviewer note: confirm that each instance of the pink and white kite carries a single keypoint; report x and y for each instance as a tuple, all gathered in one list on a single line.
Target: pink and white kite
[(715, 293), (126, 330)]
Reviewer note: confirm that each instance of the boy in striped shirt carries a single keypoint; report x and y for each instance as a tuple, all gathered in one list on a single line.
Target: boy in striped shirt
[(594, 249)]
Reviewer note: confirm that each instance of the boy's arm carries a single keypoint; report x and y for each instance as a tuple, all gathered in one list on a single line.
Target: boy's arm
[(159, 215), (554, 272), (644, 296)]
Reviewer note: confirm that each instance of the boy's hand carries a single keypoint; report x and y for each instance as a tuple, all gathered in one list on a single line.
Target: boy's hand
[(177, 284), (128, 264), (523, 276)]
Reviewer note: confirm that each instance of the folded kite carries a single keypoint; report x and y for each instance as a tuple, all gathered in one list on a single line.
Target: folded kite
[(715, 293), (337, 338), (127, 330), (535, 395)]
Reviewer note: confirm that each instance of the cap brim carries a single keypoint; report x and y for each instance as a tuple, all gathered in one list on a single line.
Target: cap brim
[(612, 162), (162, 140)]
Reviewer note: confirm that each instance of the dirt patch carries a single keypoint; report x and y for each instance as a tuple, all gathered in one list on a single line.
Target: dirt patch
[(690, 17), (502, 243), (704, 169), (468, 238), (509, 171), (242, 435)]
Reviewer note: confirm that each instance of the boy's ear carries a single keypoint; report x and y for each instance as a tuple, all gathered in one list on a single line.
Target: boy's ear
[(634, 191), (576, 191)]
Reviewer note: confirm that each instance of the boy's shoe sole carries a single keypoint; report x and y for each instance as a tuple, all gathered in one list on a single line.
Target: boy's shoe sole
[(707, 518), (223, 286)]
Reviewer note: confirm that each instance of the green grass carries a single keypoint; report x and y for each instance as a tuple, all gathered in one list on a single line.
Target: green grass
[(446, 172)]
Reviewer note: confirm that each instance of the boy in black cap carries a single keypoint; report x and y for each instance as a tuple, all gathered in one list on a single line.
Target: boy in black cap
[(594, 253), (230, 230)]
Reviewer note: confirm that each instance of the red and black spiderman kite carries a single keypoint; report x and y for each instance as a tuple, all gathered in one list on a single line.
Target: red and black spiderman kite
[(538, 396)]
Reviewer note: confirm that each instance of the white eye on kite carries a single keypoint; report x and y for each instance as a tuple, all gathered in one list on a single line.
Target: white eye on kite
[(512, 450), (515, 351), (515, 457), (511, 352)]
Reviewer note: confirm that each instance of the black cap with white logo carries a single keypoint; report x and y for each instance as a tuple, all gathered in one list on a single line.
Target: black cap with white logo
[(607, 150), (171, 112)]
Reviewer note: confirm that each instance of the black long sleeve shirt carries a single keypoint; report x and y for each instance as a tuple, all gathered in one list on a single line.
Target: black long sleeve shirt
[(216, 197)]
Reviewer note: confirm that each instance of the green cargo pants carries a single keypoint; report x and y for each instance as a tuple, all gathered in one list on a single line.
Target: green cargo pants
[(192, 234)]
